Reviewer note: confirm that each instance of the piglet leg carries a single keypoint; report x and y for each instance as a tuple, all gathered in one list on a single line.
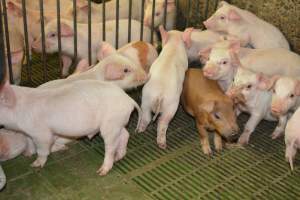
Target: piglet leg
[(218, 142), (280, 127), (249, 128), (111, 136), (203, 137), (163, 123), (122, 146), (43, 143), (290, 153), (30, 148), (146, 115), (67, 61), (60, 144)]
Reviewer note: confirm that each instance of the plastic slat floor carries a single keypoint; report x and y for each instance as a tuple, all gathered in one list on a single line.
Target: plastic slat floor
[(258, 171)]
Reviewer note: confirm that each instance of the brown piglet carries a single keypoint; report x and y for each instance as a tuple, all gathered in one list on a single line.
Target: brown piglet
[(212, 109)]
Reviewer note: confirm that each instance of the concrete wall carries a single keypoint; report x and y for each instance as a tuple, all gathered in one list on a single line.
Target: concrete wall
[(285, 14)]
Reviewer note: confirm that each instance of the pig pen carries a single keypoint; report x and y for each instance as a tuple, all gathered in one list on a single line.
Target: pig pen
[(182, 171)]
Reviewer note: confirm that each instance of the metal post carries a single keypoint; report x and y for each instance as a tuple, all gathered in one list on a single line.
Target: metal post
[(2, 53), (90, 32), (152, 21), (43, 40), (58, 31), (103, 21), (129, 21), (117, 23), (142, 21), (165, 13), (75, 28)]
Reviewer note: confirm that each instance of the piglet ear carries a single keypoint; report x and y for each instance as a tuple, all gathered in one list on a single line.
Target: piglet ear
[(14, 9), (234, 15), (297, 88), (222, 3), (164, 34), (113, 72), (265, 83), (234, 46), (105, 50), (204, 54), (17, 56), (186, 36), (66, 30), (7, 95)]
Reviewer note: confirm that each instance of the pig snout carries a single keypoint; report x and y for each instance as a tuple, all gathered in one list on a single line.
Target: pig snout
[(36, 45), (233, 136), (208, 24), (141, 77), (277, 108), (209, 71)]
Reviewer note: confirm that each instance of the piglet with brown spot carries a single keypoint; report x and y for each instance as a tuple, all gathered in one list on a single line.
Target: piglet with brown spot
[(212, 109)]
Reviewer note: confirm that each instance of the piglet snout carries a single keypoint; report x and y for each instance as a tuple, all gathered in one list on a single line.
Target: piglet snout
[(276, 110), (209, 72), (207, 24), (142, 77)]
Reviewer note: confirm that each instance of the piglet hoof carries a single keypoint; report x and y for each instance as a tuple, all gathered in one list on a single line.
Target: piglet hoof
[(275, 135), (243, 140), (102, 171), (38, 163), (162, 145), (207, 150)]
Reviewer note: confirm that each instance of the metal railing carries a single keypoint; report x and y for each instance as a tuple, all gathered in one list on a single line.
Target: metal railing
[(4, 29)]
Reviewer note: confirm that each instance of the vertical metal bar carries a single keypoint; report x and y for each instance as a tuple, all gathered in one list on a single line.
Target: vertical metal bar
[(198, 8), (142, 20), (43, 40), (216, 4), (152, 21), (75, 28), (206, 9), (2, 53), (129, 20), (90, 31), (27, 48), (103, 21), (7, 42), (117, 23), (58, 32), (188, 14), (165, 13), (177, 10)]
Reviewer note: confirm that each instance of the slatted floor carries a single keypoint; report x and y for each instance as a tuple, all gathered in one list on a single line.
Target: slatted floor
[(258, 171)]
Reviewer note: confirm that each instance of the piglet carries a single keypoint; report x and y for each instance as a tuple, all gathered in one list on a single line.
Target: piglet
[(78, 109), (114, 68), (161, 93), (292, 138), (225, 56), (159, 13), (48, 5), (143, 53), (212, 109), (13, 144), (246, 26), (256, 101), (67, 38)]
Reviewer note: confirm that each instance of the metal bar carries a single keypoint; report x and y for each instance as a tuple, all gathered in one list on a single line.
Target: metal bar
[(117, 23), (206, 9), (43, 40), (75, 28), (198, 8), (2, 53), (129, 21), (152, 21), (177, 10), (103, 21), (142, 21), (188, 14), (59, 32), (216, 4), (27, 48), (90, 31), (165, 13), (7, 42)]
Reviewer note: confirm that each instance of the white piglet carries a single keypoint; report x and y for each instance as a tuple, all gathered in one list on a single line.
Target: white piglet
[(161, 93), (292, 138), (246, 26), (225, 56), (256, 101), (78, 109), (13, 144)]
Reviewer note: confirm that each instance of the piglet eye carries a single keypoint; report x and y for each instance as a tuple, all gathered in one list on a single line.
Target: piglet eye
[(274, 91), (52, 35), (157, 14), (292, 96), (224, 62), (222, 17), (126, 70), (249, 86), (217, 116)]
